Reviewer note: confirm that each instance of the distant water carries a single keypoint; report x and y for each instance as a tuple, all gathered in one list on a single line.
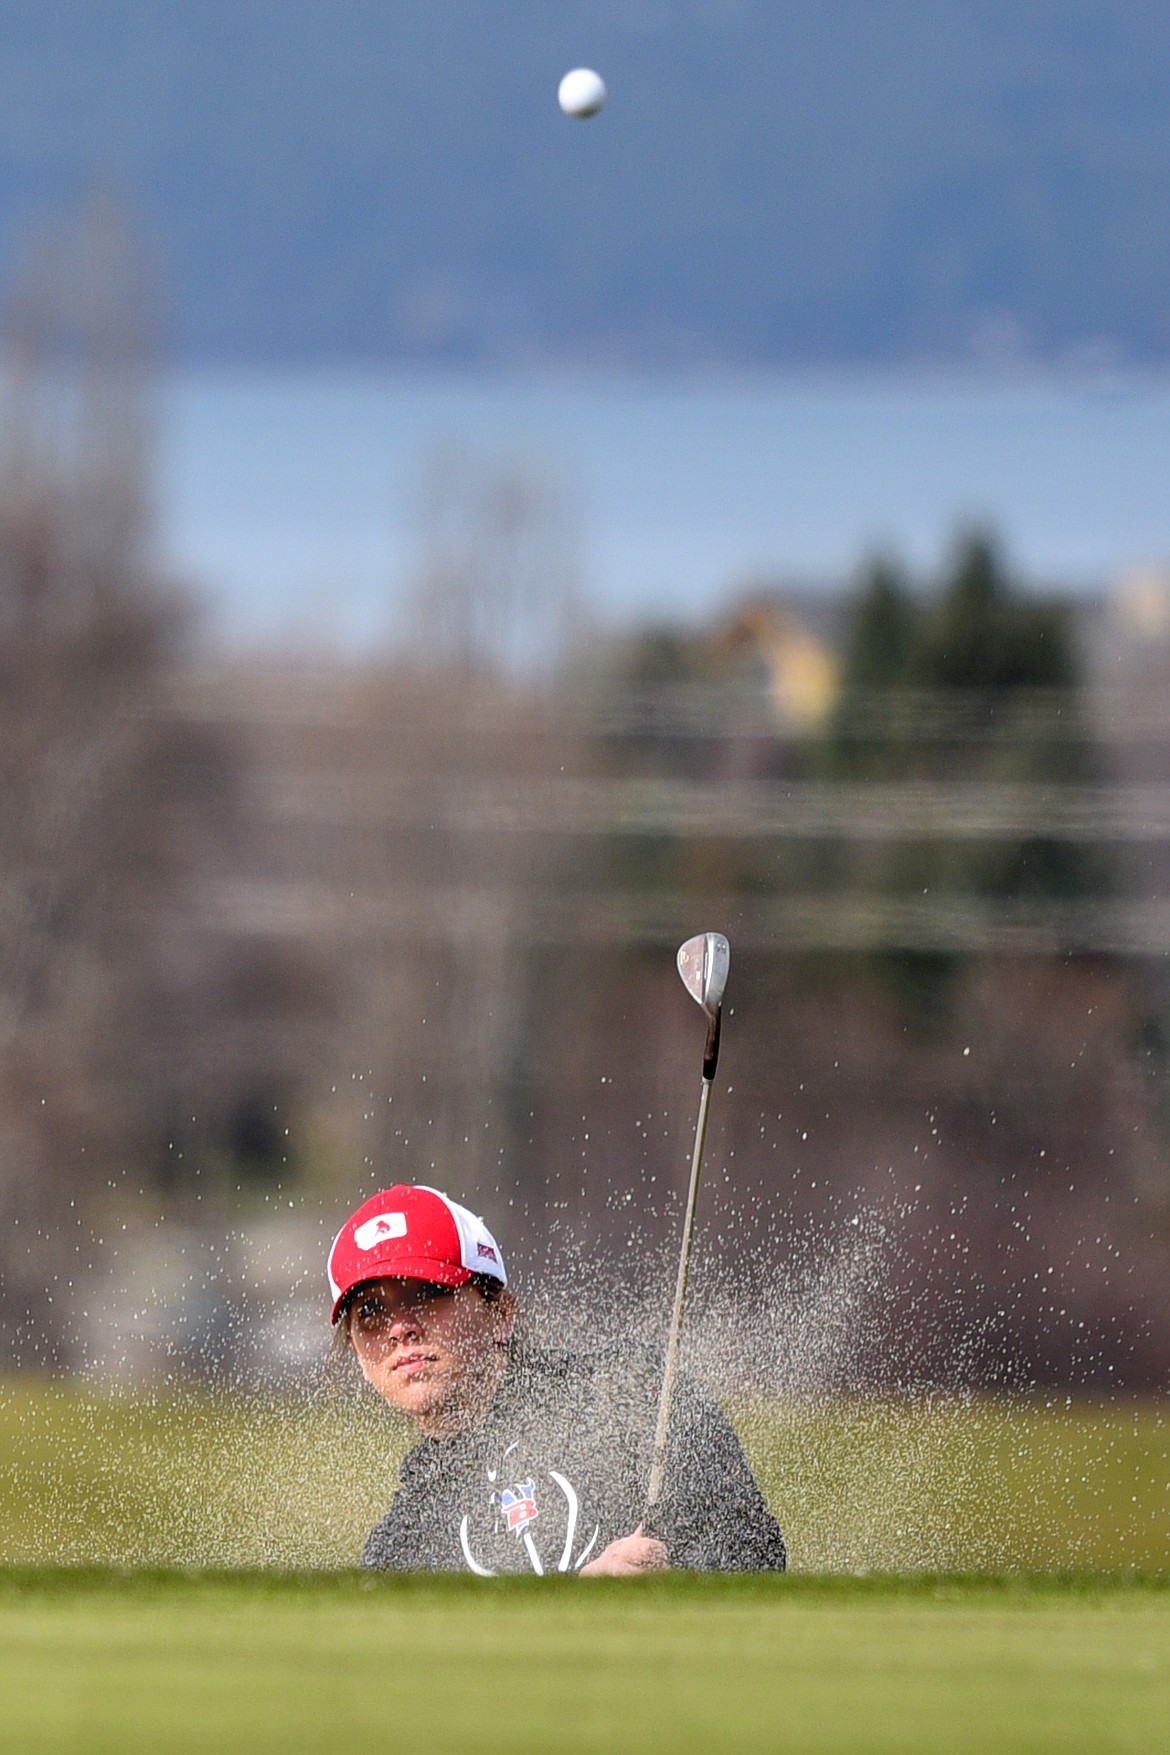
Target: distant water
[(294, 499)]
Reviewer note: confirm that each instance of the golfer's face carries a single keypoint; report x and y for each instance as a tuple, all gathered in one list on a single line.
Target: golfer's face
[(421, 1345)]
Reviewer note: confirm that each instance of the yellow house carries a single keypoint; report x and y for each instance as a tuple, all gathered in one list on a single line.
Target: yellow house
[(803, 674)]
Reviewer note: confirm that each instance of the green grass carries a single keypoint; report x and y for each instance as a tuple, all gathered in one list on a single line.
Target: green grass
[(188, 1478), (948, 1483), (95, 1662), (191, 1479), (968, 1656)]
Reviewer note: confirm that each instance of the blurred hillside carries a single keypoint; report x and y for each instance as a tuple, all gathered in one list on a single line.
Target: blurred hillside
[(967, 182)]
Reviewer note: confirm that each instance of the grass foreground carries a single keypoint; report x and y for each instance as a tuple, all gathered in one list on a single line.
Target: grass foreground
[(188, 1477), (96, 1661), (968, 1575)]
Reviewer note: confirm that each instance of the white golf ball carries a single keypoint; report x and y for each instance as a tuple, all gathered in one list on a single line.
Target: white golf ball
[(581, 93)]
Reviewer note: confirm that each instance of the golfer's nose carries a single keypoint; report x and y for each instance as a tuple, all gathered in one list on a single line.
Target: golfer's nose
[(405, 1323)]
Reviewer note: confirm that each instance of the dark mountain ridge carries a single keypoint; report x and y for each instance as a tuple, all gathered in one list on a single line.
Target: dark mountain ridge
[(861, 182)]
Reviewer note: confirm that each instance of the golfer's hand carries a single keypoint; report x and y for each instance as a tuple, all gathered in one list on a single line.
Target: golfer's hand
[(624, 1558)]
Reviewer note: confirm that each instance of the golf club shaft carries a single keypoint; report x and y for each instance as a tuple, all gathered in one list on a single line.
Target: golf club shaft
[(665, 1401)]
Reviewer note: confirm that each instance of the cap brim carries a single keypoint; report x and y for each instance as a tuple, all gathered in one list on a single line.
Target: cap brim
[(435, 1273)]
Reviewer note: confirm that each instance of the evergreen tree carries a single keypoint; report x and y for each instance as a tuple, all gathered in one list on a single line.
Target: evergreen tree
[(975, 684)]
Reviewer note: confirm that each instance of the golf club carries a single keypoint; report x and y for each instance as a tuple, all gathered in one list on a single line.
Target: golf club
[(703, 963)]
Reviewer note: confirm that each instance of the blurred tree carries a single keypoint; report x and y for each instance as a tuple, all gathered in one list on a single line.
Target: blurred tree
[(973, 683), (497, 589), (982, 635), (882, 633), (495, 614), (93, 767)]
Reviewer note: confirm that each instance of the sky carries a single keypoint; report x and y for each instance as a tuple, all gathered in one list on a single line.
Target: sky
[(299, 496)]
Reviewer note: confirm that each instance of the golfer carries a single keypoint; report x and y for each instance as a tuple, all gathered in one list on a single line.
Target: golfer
[(527, 1460)]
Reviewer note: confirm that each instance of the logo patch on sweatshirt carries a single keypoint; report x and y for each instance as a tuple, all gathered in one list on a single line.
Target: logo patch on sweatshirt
[(515, 1510), (517, 1505)]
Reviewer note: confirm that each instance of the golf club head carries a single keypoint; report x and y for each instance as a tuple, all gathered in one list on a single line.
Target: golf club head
[(703, 963)]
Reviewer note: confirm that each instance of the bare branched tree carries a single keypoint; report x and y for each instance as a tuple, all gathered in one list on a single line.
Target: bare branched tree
[(86, 751), (498, 589)]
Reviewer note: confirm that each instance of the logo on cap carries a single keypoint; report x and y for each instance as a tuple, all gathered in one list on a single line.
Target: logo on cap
[(486, 1250), (377, 1230)]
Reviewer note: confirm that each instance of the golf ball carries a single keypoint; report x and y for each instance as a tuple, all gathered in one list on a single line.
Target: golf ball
[(581, 93)]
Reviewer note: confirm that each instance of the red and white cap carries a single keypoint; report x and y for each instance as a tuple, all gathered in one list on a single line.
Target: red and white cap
[(411, 1233)]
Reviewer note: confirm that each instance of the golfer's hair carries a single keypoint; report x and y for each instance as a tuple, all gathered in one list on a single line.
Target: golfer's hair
[(488, 1286)]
